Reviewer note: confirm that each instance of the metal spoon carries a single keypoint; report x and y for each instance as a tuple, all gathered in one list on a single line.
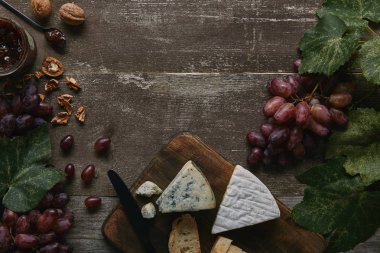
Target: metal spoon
[(55, 37)]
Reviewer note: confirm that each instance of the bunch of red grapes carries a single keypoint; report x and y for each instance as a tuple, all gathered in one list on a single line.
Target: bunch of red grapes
[(40, 230), (301, 110), (22, 110)]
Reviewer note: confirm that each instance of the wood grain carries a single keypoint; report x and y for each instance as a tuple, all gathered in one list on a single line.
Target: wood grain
[(277, 236)]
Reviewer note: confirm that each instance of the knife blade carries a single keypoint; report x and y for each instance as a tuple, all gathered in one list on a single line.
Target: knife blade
[(132, 210)]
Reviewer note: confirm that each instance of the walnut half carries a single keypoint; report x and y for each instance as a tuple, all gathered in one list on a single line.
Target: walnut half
[(62, 118), (51, 85), (52, 67), (72, 83), (81, 114)]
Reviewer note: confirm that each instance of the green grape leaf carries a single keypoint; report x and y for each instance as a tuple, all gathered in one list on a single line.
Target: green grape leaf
[(354, 13), (360, 144), (327, 46), (369, 60), (24, 176), (341, 208)]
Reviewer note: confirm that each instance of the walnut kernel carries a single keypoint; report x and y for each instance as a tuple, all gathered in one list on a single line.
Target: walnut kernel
[(64, 98), (72, 83), (62, 118), (51, 85), (81, 114), (72, 14), (52, 67)]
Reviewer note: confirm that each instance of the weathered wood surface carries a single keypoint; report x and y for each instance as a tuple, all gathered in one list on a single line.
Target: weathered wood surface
[(152, 69)]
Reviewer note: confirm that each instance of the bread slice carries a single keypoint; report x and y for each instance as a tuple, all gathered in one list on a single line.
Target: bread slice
[(234, 249), (184, 237), (221, 245)]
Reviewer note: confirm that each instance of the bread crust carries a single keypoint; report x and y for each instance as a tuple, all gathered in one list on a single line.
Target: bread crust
[(221, 245), (184, 237)]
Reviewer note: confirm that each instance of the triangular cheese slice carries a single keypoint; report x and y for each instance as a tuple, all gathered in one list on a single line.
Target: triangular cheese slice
[(189, 191), (246, 202)]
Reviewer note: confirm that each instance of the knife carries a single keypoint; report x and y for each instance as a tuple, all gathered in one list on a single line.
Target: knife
[(132, 210)]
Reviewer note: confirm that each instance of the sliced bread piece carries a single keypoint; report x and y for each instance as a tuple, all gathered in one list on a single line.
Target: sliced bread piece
[(234, 249), (247, 202), (184, 237), (221, 245), (189, 191)]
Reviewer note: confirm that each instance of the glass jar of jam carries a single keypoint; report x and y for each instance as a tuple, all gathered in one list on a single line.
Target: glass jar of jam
[(17, 49)]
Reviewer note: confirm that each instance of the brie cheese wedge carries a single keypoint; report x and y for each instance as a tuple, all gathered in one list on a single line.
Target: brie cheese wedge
[(148, 189), (189, 191), (246, 202)]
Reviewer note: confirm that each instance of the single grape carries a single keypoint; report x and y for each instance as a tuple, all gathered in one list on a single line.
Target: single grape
[(297, 64), (33, 216), (293, 80), (46, 221), (279, 136), (317, 128), (31, 89), (314, 101), (299, 151), (8, 125), (9, 218), (285, 113), (47, 200), (266, 129), (24, 122), (70, 171), (47, 238), (338, 117), (256, 156), (16, 105), (272, 105), (88, 173), (43, 110), (26, 241), (30, 103), (64, 248), (68, 214), (67, 143), (60, 200), (39, 121), (295, 137), (62, 225), (23, 225), (92, 202), (50, 248), (102, 144), (340, 100), (280, 87), (256, 140), (321, 114), (302, 113), (5, 239)]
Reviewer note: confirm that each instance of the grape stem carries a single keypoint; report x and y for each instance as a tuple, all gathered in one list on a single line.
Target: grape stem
[(372, 31)]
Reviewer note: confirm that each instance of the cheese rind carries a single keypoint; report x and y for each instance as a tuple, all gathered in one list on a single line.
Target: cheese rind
[(189, 191), (148, 189), (148, 211), (247, 202)]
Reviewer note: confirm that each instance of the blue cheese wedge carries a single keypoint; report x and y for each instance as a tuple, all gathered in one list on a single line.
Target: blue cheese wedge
[(247, 202), (189, 191), (148, 189), (148, 211)]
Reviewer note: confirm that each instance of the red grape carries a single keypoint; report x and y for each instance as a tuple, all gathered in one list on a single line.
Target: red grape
[(92, 202), (23, 225), (340, 100), (64, 248), (279, 136), (294, 83), (102, 144), (8, 125), (70, 171), (285, 113), (321, 114), (302, 114), (46, 221), (338, 117), (47, 238), (50, 248), (280, 87), (256, 140), (255, 156), (24, 122), (266, 129), (60, 200), (317, 128), (275, 150), (295, 137), (33, 216), (5, 239), (26, 241), (43, 109), (9, 218), (62, 225), (272, 105), (88, 173), (47, 200), (67, 142), (297, 64), (68, 214), (30, 103)]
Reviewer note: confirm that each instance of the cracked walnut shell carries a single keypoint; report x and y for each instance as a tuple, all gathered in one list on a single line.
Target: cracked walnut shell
[(52, 67), (72, 14)]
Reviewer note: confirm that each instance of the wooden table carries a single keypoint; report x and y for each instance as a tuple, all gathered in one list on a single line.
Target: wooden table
[(152, 69)]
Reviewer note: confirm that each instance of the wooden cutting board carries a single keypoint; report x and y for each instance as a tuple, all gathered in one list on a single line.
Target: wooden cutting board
[(277, 236)]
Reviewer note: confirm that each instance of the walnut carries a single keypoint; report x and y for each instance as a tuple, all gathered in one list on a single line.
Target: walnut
[(38, 74), (71, 14), (52, 67), (68, 107), (72, 83), (65, 97), (41, 8), (62, 118), (53, 84), (81, 114), (41, 97)]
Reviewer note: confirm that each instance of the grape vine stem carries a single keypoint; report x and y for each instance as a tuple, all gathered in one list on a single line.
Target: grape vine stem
[(372, 31)]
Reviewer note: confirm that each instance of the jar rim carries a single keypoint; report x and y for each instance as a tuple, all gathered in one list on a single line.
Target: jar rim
[(24, 54)]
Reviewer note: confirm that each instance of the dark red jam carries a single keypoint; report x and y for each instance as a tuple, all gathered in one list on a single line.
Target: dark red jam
[(11, 46), (56, 38)]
